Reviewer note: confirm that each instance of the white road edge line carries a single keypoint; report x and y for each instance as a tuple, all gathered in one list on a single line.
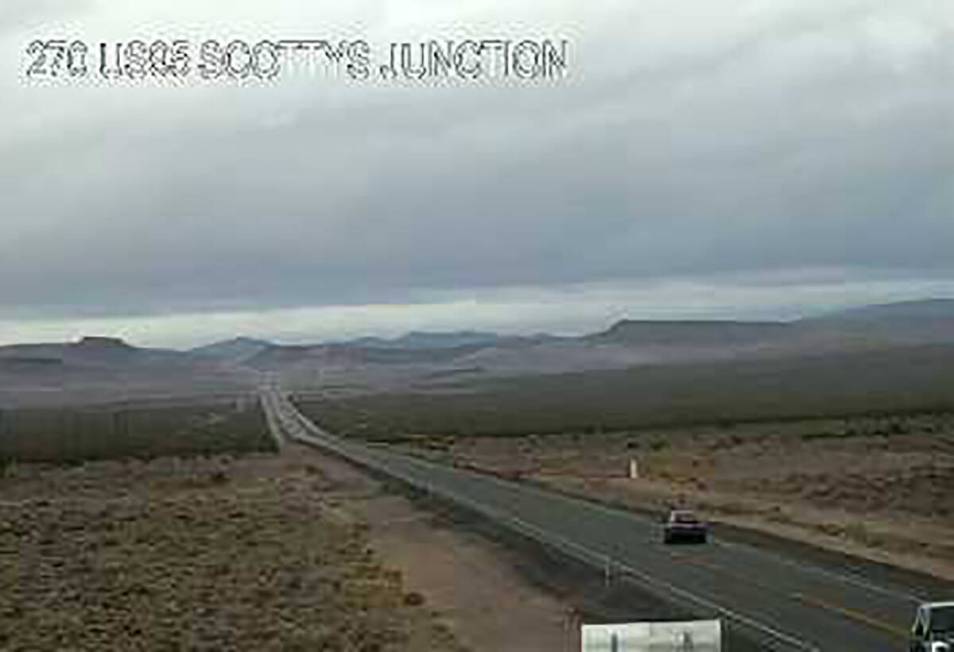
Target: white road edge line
[(326, 440)]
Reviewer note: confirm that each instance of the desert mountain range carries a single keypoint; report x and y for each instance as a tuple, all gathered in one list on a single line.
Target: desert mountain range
[(98, 368)]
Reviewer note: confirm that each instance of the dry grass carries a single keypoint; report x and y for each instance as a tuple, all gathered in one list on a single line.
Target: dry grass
[(214, 554)]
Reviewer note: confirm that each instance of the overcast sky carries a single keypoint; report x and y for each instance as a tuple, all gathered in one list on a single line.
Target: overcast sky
[(709, 159)]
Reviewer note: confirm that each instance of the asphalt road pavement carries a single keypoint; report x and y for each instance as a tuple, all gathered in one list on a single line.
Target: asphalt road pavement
[(779, 601)]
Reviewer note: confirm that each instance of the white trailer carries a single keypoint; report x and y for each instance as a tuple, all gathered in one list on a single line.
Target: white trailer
[(694, 636)]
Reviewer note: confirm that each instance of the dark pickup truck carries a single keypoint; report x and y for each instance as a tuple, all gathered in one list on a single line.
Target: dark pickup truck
[(683, 525)]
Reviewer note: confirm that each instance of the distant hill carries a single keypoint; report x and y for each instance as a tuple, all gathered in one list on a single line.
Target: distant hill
[(237, 349), (96, 369), (691, 333), (928, 309), (437, 361), (89, 351), (276, 357), (427, 360), (905, 323), (427, 340)]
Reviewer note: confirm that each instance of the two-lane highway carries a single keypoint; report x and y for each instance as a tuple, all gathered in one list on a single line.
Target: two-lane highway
[(780, 602)]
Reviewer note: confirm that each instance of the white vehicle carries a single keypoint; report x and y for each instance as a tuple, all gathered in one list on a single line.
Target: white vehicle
[(933, 629)]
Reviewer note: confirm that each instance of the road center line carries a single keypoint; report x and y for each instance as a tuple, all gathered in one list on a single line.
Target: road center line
[(851, 613)]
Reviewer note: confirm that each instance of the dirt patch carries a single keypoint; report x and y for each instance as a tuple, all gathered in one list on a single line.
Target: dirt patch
[(466, 580)]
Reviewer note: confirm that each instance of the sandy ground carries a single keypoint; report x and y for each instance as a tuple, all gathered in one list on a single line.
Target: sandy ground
[(881, 488), (464, 578)]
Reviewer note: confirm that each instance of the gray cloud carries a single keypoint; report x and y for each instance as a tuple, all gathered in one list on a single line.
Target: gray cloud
[(795, 136)]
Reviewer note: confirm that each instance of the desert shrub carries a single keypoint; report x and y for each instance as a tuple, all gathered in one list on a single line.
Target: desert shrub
[(75, 435), (413, 599), (913, 381)]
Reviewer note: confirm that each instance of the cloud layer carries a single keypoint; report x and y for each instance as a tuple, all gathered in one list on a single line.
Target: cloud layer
[(689, 140)]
